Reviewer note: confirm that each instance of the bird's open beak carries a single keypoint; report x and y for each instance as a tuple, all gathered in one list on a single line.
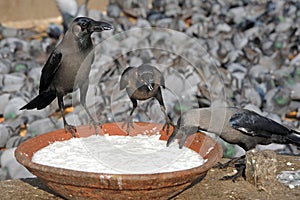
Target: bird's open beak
[(99, 26)]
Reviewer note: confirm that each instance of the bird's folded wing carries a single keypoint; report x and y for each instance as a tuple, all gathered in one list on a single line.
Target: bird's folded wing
[(50, 68), (254, 124)]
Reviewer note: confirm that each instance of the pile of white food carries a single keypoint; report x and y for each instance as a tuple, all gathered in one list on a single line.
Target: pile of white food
[(140, 154)]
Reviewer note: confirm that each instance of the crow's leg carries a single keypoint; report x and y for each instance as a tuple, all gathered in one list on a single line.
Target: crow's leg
[(232, 162), (93, 122), (238, 163), (168, 122), (68, 128), (240, 172), (129, 121), (173, 136)]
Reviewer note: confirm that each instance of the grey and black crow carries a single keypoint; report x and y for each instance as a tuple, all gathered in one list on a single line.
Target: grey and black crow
[(236, 126), (68, 68), (142, 83), (239, 126)]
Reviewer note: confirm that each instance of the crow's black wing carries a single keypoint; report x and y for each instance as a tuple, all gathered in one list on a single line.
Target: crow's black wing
[(49, 69), (254, 124)]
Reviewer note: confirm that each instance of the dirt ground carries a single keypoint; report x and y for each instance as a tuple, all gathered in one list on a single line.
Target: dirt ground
[(210, 188)]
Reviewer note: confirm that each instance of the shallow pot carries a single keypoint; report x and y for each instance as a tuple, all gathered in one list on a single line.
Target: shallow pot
[(73, 184)]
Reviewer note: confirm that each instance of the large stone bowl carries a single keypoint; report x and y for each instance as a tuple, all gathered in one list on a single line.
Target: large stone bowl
[(73, 184)]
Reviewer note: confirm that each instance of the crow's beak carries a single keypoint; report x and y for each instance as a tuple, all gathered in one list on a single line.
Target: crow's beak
[(149, 85), (98, 26), (173, 136)]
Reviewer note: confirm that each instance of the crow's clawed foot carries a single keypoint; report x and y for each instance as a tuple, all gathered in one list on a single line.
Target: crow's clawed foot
[(128, 124), (238, 163), (231, 163), (71, 129), (171, 138), (240, 173), (224, 165), (95, 125), (167, 126)]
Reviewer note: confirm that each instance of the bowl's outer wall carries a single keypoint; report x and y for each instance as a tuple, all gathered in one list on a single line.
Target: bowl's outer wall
[(83, 185)]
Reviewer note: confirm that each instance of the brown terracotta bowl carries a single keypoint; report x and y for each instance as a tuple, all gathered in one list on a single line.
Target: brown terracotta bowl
[(73, 184)]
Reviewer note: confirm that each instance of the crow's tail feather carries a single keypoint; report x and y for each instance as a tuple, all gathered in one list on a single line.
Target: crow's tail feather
[(40, 102)]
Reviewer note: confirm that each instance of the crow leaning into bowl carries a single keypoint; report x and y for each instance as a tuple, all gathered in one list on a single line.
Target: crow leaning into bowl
[(236, 126), (68, 68), (142, 83)]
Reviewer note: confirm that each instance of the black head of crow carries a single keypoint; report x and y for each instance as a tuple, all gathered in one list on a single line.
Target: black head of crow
[(82, 28)]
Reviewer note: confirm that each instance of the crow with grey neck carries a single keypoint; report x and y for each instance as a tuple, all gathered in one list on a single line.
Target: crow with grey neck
[(68, 68), (236, 126), (142, 83), (240, 126)]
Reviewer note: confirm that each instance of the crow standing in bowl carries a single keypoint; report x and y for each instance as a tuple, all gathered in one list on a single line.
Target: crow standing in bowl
[(236, 126), (142, 83), (68, 68)]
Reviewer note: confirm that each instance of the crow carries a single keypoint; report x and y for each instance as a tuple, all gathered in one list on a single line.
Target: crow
[(142, 83), (243, 127), (67, 68)]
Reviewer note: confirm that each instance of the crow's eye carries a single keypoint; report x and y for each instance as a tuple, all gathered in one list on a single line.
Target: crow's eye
[(84, 25)]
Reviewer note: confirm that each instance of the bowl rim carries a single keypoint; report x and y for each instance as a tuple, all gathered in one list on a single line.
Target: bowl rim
[(26, 160)]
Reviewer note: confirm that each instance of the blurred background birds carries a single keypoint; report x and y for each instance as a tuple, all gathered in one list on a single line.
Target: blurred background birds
[(70, 9)]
